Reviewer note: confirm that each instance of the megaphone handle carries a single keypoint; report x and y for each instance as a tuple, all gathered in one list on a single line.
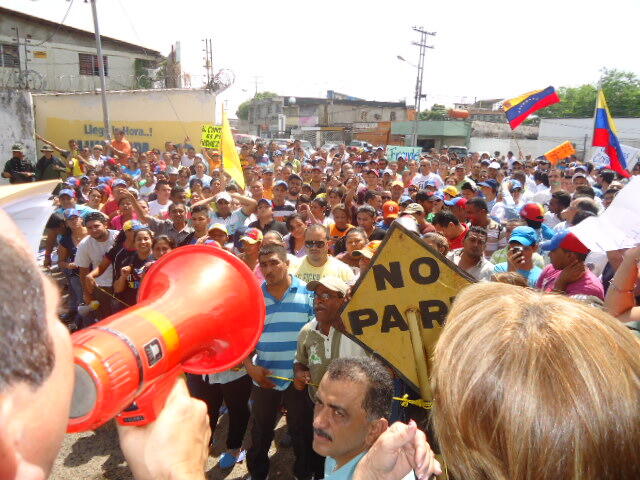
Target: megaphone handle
[(146, 407)]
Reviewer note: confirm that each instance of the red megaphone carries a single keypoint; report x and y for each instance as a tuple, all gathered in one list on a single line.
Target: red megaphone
[(199, 310)]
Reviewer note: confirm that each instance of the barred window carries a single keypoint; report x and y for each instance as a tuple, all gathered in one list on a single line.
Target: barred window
[(89, 64), (9, 56)]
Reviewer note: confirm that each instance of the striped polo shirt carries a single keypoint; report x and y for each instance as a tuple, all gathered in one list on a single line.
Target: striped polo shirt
[(278, 343)]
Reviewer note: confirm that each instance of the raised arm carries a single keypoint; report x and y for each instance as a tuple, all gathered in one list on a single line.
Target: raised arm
[(620, 299)]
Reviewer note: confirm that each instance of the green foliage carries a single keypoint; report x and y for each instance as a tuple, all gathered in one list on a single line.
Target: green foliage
[(437, 112), (243, 109), (621, 89)]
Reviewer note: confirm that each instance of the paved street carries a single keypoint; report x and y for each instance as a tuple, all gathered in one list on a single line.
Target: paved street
[(97, 456)]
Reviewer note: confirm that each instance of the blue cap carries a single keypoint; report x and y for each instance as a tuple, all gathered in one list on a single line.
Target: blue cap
[(567, 240), (431, 183), (266, 201), (524, 236), (278, 153), (280, 183), (71, 181), (84, 177), (456, 201), (119, 182), (405, 198), (516, 184), (491, 183), (439, 195), (67, 191), (70, 213), (103, 179)]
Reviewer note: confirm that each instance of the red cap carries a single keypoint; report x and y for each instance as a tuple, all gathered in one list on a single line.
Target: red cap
[(533, 212), (390, 209)]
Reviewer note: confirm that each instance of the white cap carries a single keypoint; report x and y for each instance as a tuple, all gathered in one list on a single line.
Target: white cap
[(334, 284), (223, 196), (495, 165)]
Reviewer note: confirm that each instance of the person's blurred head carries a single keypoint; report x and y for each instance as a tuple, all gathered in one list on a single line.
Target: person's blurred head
[(273, 237), (36, 363), (581, 203), (143, 240), (163, 190), (296, 226), (96, 223), (355, 239), (274, 264), (437, 241), (517, 372), (559, 201), (331, 293), (446, 224), (352, 407), (565, 249), (475, 242), (178, 213), (511, 278), (162, 245), (477, 211), (316, 243), (366, 217), (200, 218)]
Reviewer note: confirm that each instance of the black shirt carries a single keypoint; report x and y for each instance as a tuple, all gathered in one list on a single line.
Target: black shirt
[(16, 165), (280, 227), (377, 234)]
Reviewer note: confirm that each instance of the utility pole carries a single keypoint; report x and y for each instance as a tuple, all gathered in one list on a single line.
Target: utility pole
[(208, 61), (103, 83), (418, 96), (256, 79)]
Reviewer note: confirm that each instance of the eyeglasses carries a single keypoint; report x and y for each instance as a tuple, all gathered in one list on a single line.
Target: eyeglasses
[(315, 243), (326, 296)]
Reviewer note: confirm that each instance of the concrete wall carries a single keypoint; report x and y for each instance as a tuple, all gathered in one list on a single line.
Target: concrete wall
[(534, 148), (16, 125), (149, 117)]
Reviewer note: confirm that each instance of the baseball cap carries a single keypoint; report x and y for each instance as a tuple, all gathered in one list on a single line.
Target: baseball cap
[(368, 250), (491, 183), (220, 227), (172, 170), (119, 182), (436, 196), (524, 235), (413, 208), (390, 209), (516, 184), (73, 181), (405, 200), (335, 284), (566, 240), (266, 201), (67, 191), (456, 202), (397, 183), (532, 211), (252, 236), (451, 190), (578, 175), (495, 165), (281, 183), (130, 225), (223, 196), (70, 213)]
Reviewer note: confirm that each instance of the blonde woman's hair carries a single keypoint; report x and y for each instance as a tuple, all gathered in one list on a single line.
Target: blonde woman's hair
[(533, 386), (512, 278)]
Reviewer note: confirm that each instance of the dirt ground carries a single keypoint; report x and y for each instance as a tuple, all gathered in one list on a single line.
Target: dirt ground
[(97, 456)]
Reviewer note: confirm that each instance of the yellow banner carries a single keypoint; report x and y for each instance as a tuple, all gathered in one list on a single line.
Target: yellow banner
[(210, 137), (405, 274), (562, 151), (230, 157)]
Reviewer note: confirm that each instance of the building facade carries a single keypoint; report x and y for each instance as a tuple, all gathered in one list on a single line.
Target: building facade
[(40, 55), (284, 116)]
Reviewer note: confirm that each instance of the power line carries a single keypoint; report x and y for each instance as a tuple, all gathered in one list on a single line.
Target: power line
[(57, 28)]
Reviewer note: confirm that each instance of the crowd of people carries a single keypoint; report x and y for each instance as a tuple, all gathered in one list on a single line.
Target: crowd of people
[(308, 224)]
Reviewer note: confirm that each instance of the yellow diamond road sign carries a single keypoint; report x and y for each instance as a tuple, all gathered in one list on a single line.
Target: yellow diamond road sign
[(405, 275)]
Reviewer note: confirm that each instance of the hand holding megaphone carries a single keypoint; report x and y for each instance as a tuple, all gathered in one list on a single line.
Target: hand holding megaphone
[(199, 310)]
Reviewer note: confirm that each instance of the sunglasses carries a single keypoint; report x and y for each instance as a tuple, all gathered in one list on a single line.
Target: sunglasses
[(315, 243)]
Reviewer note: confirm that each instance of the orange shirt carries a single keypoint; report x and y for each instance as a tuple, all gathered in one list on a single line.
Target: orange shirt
[(124, 146)]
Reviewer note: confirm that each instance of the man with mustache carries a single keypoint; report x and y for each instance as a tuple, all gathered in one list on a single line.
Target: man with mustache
[(353, 403)]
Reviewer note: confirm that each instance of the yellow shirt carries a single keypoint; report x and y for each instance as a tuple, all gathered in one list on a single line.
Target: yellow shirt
[(76, 170), (332, 268)]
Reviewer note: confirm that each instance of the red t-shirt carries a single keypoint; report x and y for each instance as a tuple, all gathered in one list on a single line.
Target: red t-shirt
[(459, 240)]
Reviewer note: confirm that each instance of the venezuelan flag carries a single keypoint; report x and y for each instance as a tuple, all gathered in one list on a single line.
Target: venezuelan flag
[(518, 109), (604, 135)]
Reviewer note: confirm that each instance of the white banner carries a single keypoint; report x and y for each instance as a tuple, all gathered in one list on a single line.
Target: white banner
[(601, 159), (408, 153)]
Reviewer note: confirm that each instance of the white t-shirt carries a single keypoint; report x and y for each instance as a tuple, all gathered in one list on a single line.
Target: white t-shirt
[(159, 210), (147, 190), (186, 161), (90, 253), (421, 181)]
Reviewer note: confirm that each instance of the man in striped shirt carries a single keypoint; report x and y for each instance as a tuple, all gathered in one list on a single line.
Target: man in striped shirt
[(289, 307)]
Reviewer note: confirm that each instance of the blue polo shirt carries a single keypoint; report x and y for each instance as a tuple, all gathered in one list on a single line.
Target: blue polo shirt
[(278, 343)]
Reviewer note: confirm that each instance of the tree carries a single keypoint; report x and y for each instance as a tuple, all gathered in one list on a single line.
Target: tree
[(621, 89), (243, 109), (437, 112)]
